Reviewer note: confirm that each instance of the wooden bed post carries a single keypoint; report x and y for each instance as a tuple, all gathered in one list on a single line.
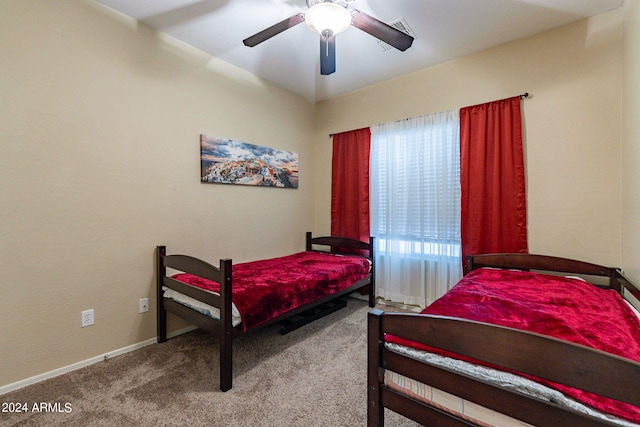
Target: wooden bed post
[(375, 411), (372, 285), (468, 265), (308, 245), (161, 313), (226, 330), (614, 283)]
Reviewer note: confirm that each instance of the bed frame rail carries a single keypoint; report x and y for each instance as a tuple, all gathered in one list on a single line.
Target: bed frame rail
[(192, 265), (507, 402)]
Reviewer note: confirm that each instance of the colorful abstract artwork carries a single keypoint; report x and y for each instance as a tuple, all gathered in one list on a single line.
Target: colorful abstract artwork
[(224, 161)]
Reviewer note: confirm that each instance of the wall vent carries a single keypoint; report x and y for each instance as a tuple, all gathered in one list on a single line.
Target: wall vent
[(399, 24)]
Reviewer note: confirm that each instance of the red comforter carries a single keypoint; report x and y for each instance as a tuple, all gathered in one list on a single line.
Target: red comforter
[(560, 307), (267, 288)]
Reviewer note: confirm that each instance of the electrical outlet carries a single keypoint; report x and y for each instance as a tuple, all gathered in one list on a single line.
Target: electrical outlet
[(144, 305), (87, 318)]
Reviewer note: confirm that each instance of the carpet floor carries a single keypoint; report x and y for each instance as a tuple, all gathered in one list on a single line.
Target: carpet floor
[(313, 376)]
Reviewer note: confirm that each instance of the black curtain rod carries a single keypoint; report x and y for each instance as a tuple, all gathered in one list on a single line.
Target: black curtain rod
[(521, 96)]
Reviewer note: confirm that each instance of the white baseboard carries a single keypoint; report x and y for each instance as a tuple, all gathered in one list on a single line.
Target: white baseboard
[(56, 372)]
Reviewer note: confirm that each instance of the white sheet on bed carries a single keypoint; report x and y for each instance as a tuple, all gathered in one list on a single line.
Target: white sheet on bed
[(201, 307), (503, 379)]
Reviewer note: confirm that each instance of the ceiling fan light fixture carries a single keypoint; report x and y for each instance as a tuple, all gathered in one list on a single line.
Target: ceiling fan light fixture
[(328, 18)]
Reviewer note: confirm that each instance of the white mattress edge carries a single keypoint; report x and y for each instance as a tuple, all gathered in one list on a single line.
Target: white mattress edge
[(201, 307)]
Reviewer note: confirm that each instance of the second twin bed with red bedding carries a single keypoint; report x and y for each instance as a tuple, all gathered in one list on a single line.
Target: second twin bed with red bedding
[(546, 349)]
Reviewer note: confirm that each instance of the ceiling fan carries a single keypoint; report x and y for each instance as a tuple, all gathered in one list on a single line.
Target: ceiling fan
[(329, 18)]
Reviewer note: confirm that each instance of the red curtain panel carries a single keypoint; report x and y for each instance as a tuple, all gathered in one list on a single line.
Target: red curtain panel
[(350, 185), (493, 203)]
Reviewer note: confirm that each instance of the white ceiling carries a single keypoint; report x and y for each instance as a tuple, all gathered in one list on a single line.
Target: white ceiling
[(444, 30)]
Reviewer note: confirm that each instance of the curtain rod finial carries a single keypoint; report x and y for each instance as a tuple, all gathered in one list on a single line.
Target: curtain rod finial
[(524, 95)]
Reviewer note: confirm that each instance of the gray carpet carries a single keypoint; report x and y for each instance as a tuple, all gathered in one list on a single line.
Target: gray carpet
[(314, 376)]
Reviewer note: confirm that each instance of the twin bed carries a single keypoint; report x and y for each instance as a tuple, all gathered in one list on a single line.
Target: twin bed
[(541, 349), (292, 290), (508, 345)]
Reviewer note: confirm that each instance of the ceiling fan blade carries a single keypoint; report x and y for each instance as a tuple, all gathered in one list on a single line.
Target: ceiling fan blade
[(381, 30), (327, 55), (273, 30)]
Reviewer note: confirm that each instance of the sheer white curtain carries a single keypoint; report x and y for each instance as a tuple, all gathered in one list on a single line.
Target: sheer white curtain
[(415, 207)]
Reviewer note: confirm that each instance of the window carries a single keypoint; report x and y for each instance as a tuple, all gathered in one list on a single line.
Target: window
[(415, 206)]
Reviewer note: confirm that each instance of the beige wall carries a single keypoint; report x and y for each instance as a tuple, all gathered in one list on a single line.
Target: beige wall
[(631, 143), (572, 127), (99, 151)]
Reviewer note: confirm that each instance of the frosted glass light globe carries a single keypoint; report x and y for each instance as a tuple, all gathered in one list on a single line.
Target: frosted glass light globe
[(328, 18)]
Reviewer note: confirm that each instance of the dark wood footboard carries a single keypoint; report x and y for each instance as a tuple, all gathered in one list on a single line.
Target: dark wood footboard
[(516, 350), (222, 274), (534, 354), (223, 327)]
